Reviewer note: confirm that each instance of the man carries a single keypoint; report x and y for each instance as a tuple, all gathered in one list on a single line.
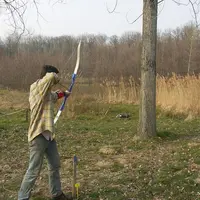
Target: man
[(41, 135)]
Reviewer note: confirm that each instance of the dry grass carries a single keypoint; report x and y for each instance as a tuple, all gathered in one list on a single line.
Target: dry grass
[(179, 94), (13, 99), (120, 92), (175, 94)]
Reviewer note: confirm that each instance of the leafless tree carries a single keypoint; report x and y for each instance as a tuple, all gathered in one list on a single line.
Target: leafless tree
[(15, 10), (147, 117), (195, 5)]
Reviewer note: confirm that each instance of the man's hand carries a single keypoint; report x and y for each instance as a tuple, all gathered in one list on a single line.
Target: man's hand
[(67, 93), (61, 94)]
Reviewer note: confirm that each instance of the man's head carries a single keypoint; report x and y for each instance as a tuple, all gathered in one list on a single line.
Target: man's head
[(48, 69)]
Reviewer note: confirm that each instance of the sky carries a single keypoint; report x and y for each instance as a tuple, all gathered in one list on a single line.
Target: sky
[(77, 17)]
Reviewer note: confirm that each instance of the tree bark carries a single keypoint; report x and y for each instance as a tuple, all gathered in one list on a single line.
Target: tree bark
[(147, 116)]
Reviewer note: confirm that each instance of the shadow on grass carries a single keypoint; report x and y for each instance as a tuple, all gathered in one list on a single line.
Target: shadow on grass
[(166, 135)]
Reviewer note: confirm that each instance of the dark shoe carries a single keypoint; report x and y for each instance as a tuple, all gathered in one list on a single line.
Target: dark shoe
[(63, 197)]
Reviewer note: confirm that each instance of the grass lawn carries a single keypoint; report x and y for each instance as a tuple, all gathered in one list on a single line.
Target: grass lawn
[(112, 165)]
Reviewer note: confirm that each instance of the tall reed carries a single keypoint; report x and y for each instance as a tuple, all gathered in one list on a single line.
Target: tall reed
[(175, 94), (120, 92), (179, 94)]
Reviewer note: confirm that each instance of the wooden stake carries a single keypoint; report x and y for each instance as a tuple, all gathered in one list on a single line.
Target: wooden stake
[(75, 162)]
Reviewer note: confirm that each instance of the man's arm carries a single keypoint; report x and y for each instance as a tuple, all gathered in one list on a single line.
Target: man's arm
[(45, 84)]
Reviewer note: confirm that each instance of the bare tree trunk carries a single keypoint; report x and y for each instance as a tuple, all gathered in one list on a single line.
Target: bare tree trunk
[(190, 52), (195, 9), (147, 117)]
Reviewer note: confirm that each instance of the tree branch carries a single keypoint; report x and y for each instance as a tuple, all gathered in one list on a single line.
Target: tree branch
[(15, 11), (142, 14), (134, 19), (160, 1), (113, 10), (195, 8), (195, 11), (180, 3)]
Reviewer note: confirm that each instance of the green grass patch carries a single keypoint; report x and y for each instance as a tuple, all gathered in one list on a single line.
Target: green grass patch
[(112, 164)]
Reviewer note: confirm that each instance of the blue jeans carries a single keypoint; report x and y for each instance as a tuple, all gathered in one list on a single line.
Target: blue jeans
[(40, 147)]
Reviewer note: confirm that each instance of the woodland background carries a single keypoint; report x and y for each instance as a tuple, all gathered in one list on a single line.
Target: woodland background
[(102, 57)]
